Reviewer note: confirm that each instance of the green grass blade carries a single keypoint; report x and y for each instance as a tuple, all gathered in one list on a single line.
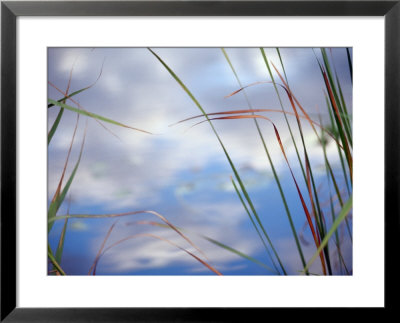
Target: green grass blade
[(254, 224), (60, 246), (337, 145), (68, 96), (283, 67), (329, 170), (281, 104), (240, 254), (233, 70), (343, 168), (217, 243), (55, 205), (55, 125), (342, 215), (339, 125), (54, 261), (84, 216), (345, 116), (335, 94), (350, 64), (93, 115), (177, 79), (331, 177), (60, 114), (337, 238)]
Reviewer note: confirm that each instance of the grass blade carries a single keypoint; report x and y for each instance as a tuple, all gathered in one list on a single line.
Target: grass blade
[(58, 190), (339, 195), (217, 243), (350, 64), (254, 224), (283, 67), (333, 127), (68, 96), (162, 239), (80, 107), (321, 255), (60, 246), (117, 215), (346, 115), (259, 110), (281, 104), (54, 261), (340, 126), (55, 126), (335, 104), (59, 198), (240, 254), (95, 116), (342, 110), (94, 265), (342, 215), (60, 113)]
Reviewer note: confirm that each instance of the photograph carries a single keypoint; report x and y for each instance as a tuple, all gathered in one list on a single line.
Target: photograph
[(229, 161), (195, 159)]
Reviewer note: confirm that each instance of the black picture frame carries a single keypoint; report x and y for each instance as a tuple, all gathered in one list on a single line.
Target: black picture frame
[(10, 10)]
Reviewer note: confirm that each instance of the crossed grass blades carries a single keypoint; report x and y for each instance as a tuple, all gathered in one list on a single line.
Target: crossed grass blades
[(339, 130)]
